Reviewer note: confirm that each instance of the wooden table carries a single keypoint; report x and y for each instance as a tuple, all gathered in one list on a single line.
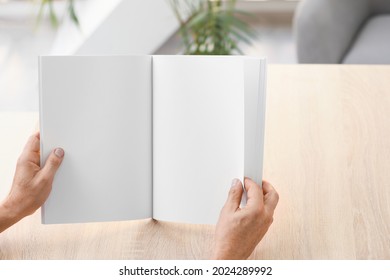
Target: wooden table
[(327, 151)]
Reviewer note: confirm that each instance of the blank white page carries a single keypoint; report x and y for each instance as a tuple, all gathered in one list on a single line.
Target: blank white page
[(99, 110), (198, 135)]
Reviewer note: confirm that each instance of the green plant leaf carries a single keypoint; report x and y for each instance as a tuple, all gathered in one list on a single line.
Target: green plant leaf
[(72, 13), (241, 36), (40, 13), (52, 14), (197, 19)]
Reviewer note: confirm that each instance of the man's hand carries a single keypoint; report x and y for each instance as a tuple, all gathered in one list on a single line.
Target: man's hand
[(31, 185), (239, 230)]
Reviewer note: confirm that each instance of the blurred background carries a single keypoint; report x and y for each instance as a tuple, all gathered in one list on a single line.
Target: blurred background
[(284, 31), (114, 27)]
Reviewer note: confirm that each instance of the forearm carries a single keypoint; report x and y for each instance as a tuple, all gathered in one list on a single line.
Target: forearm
[(8, 217)]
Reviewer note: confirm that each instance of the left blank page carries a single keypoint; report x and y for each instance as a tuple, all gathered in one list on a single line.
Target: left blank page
[(99, 110)]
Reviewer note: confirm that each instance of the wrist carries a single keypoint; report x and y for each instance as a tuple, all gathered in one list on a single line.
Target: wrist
[(9, 212), (220, 254), (226, 252), (217, 256), (8, 216)]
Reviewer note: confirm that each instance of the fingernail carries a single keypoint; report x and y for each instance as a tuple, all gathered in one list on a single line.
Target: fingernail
[(59, 152), (234, 182)]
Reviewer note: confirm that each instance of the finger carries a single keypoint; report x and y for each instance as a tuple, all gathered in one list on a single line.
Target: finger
[(234, 198), (31, 150), (33, 143), (271, 197), (254, 194), (52, 164)]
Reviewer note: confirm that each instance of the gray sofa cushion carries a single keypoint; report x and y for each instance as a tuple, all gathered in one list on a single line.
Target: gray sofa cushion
[(372, 45), (324, 29), (380, 6)]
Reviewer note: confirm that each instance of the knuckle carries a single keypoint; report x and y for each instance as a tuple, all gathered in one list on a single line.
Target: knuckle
[(258, 212), (245, 219), (53, 161), (45, 178), (32, 137), (233, 191), (254, 215)]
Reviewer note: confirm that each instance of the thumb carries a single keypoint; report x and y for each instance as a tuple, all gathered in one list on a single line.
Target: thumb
[(52, 163), (234, 198)]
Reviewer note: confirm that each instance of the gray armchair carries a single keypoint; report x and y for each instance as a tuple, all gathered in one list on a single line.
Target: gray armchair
[(343, 31)]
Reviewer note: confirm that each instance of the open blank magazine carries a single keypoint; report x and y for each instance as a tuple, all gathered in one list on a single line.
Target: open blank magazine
[(150, 136)]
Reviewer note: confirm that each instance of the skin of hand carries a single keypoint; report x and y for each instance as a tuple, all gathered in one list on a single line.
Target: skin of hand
[(31, 185), (239, 230)]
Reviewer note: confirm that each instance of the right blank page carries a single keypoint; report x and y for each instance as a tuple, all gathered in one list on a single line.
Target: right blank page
[(198, 135)]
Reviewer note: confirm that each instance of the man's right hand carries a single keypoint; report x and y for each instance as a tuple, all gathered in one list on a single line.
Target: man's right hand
[(239, 230)]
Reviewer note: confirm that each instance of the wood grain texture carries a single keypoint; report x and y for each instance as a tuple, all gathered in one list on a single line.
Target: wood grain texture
[(327, 152)]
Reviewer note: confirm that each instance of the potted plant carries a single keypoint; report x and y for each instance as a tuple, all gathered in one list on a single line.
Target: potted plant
[(207, 27), (211, 27)]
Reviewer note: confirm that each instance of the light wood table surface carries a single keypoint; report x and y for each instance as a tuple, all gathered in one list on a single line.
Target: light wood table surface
[(327, 152)]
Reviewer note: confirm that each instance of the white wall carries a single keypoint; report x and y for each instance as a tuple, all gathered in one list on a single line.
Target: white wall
[(268, 6), (117, 27)]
